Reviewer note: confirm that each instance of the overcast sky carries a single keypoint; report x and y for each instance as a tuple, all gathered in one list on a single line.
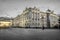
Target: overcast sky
[(12, 8)]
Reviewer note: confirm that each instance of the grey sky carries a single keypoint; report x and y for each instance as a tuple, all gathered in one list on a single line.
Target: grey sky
[(12, 8)]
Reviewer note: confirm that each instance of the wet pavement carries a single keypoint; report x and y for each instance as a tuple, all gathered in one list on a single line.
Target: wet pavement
[(29, 34)]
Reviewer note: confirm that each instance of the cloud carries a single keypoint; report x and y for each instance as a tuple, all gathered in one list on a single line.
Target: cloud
[(10, 6)]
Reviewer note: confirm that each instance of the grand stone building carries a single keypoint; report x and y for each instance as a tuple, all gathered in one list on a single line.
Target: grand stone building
[(33, 17)]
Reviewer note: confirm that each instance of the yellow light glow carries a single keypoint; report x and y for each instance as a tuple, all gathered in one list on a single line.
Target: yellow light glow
[(5, 24)]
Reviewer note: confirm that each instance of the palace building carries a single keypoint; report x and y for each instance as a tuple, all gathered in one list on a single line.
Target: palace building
[(33, 17)]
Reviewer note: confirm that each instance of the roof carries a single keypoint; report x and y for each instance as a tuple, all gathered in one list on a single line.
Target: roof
[(5, 18)]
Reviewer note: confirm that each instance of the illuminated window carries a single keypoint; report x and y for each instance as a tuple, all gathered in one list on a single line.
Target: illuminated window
[(9, 23), (0, 23)]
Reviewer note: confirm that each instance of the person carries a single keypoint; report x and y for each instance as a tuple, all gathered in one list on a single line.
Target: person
[(43, 28)]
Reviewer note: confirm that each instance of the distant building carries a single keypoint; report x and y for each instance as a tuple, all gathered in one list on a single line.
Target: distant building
[(5, 22), (33, 17)]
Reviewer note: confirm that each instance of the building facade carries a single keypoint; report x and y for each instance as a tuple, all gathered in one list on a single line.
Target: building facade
[(33, 17), (5, 22)]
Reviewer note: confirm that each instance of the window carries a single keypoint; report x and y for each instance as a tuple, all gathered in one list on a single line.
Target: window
[(32, 18), (38, 18), (35, 18), (29, 17), (32, 23), (9, 23), (25, 24), (38, 13), (38, 23), (0, 23)]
